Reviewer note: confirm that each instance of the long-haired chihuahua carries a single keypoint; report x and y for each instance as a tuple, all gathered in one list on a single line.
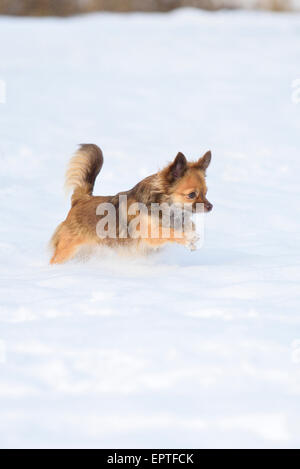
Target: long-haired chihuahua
[(180, 184)]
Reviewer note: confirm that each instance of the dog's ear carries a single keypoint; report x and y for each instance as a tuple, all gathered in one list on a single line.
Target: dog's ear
[(178, 167), (204, 161)]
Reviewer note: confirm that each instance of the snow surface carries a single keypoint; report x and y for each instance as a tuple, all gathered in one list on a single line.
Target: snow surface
[(179, 349)]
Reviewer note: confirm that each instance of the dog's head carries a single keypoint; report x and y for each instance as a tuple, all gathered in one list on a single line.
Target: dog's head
[(185, 181)]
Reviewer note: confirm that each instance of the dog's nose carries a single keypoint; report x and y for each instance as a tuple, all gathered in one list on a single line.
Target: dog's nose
[(208, 206)]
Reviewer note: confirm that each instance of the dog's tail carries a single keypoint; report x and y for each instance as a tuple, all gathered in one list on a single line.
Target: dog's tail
[(83, 170)]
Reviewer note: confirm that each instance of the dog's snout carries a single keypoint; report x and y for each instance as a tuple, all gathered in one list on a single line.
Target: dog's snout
[(208, 206)]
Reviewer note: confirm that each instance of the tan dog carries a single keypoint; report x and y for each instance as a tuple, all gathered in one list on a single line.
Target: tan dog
[(181, 182)]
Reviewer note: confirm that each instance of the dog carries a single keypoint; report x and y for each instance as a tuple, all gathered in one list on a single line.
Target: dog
[(180, 182)]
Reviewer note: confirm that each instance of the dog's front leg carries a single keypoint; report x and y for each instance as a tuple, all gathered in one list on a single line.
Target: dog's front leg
[(188, 240), (192, 239)]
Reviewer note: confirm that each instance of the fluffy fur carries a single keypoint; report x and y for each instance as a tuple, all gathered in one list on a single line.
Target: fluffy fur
[(174, 184)]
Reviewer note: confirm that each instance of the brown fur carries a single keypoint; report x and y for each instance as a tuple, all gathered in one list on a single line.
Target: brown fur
[(171, 185)]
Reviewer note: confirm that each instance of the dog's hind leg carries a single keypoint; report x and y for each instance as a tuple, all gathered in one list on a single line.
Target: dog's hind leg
[(65, 245), (65, 250)]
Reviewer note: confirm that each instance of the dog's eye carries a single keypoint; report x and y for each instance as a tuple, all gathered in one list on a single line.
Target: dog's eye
[(192, 195)]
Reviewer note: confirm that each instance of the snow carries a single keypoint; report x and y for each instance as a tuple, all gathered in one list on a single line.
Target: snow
[(180, 349)]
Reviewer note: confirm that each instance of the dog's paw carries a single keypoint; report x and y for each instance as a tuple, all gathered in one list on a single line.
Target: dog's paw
[(192, 240)]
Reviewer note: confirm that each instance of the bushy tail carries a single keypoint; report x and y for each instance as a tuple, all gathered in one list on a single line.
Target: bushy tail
[(83, 169)]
